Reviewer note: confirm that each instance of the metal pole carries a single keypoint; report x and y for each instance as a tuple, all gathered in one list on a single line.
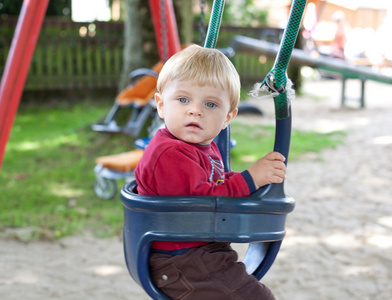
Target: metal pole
[(18, 64)]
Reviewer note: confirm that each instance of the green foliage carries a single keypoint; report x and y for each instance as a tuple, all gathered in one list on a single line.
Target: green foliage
[(55, 8), (244, 13)]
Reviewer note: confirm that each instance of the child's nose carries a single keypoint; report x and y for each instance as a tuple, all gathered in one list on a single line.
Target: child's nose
[(195, 110)]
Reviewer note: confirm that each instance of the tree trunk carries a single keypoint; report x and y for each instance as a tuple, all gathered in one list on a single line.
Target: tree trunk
[(184, 16), (140, 48)]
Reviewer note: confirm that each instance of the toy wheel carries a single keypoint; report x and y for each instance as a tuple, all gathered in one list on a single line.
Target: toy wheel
[(105, 188)]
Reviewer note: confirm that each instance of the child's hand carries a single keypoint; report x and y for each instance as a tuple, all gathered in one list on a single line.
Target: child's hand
[(268, 169)]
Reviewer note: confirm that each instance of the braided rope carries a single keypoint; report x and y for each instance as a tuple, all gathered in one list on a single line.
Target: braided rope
[(214, 25), (277, 75), (164, 36), (276, 80)]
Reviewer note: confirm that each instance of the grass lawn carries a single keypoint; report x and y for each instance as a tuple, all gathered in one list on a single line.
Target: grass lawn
[(46, 182)]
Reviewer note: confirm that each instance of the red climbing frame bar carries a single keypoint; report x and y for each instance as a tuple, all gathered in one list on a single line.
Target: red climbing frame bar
[(18, 64), (162, 16)]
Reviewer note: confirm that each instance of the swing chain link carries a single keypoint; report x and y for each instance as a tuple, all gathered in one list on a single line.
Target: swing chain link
[(202, 29), (163, 31)]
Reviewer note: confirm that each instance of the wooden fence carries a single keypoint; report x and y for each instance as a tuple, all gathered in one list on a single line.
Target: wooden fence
[(70, 54), (89, 55)]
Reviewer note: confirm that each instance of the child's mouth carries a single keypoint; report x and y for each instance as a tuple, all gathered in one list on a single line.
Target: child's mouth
[(193, 125)]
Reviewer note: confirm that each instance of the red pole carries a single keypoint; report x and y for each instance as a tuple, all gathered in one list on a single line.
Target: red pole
[(165, 27), (18, 64)]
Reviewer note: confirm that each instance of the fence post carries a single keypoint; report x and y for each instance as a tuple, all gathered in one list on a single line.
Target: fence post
[(18, 64)]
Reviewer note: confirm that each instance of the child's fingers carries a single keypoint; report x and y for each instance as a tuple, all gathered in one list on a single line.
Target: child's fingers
[(278, 166), (278, 177), (275, 156), (277, 180)]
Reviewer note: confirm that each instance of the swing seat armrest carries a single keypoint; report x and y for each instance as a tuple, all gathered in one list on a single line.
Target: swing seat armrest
[(244, 205), (225, 219)]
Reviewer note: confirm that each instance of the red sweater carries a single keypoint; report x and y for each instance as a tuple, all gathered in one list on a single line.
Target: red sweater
[(171, 167)]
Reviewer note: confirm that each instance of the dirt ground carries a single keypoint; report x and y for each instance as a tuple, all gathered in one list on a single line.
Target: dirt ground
[(339, 237)]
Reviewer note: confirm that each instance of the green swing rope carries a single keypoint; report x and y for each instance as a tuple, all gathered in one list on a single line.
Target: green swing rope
[(278, 72), (276, 79), (214, 25)]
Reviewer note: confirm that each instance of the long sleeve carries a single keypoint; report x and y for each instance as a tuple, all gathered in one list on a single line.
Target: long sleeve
[(170, 167), (179, 172)]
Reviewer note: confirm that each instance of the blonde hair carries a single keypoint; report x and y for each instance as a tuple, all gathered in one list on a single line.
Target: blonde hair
[(204, 66)]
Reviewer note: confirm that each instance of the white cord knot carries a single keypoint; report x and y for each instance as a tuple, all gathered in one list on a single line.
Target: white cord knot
[(269, 90)]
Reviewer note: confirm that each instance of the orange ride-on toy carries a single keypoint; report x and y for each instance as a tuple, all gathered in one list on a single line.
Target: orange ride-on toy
[(135, 97), (110, 168)]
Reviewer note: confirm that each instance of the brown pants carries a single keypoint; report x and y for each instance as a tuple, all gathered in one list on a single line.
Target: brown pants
[(210, 272)]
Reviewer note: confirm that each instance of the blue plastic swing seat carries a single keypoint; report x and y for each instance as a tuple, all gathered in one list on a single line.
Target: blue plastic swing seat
[(258, 220)]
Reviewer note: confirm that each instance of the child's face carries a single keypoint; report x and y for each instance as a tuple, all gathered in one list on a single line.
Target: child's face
[(192, 113)]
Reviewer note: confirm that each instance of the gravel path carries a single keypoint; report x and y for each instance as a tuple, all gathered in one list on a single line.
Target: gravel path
[(339, 238)]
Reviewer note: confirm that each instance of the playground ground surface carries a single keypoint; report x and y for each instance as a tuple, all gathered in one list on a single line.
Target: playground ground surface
[(339, 237)]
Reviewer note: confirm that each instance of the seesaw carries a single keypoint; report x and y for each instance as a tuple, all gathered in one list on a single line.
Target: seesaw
[(301, 58)]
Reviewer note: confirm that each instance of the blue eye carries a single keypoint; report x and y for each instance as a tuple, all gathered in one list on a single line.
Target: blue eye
[(211, 104), (183, 100)]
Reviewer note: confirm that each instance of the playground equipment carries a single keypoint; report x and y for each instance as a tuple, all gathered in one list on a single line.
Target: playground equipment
[(18, 64), (328, 64), (258, 219)]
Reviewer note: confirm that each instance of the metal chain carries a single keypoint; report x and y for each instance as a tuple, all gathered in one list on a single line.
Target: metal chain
[(202, 28), (164, 31)]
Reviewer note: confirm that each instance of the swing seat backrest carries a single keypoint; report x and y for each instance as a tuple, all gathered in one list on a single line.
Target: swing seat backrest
[(254, 220)]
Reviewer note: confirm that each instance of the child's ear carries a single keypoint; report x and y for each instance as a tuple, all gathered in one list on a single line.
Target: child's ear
[(230, 116), (160, 104)]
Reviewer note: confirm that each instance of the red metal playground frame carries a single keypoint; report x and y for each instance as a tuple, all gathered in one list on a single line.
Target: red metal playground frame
[(25, 39)]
